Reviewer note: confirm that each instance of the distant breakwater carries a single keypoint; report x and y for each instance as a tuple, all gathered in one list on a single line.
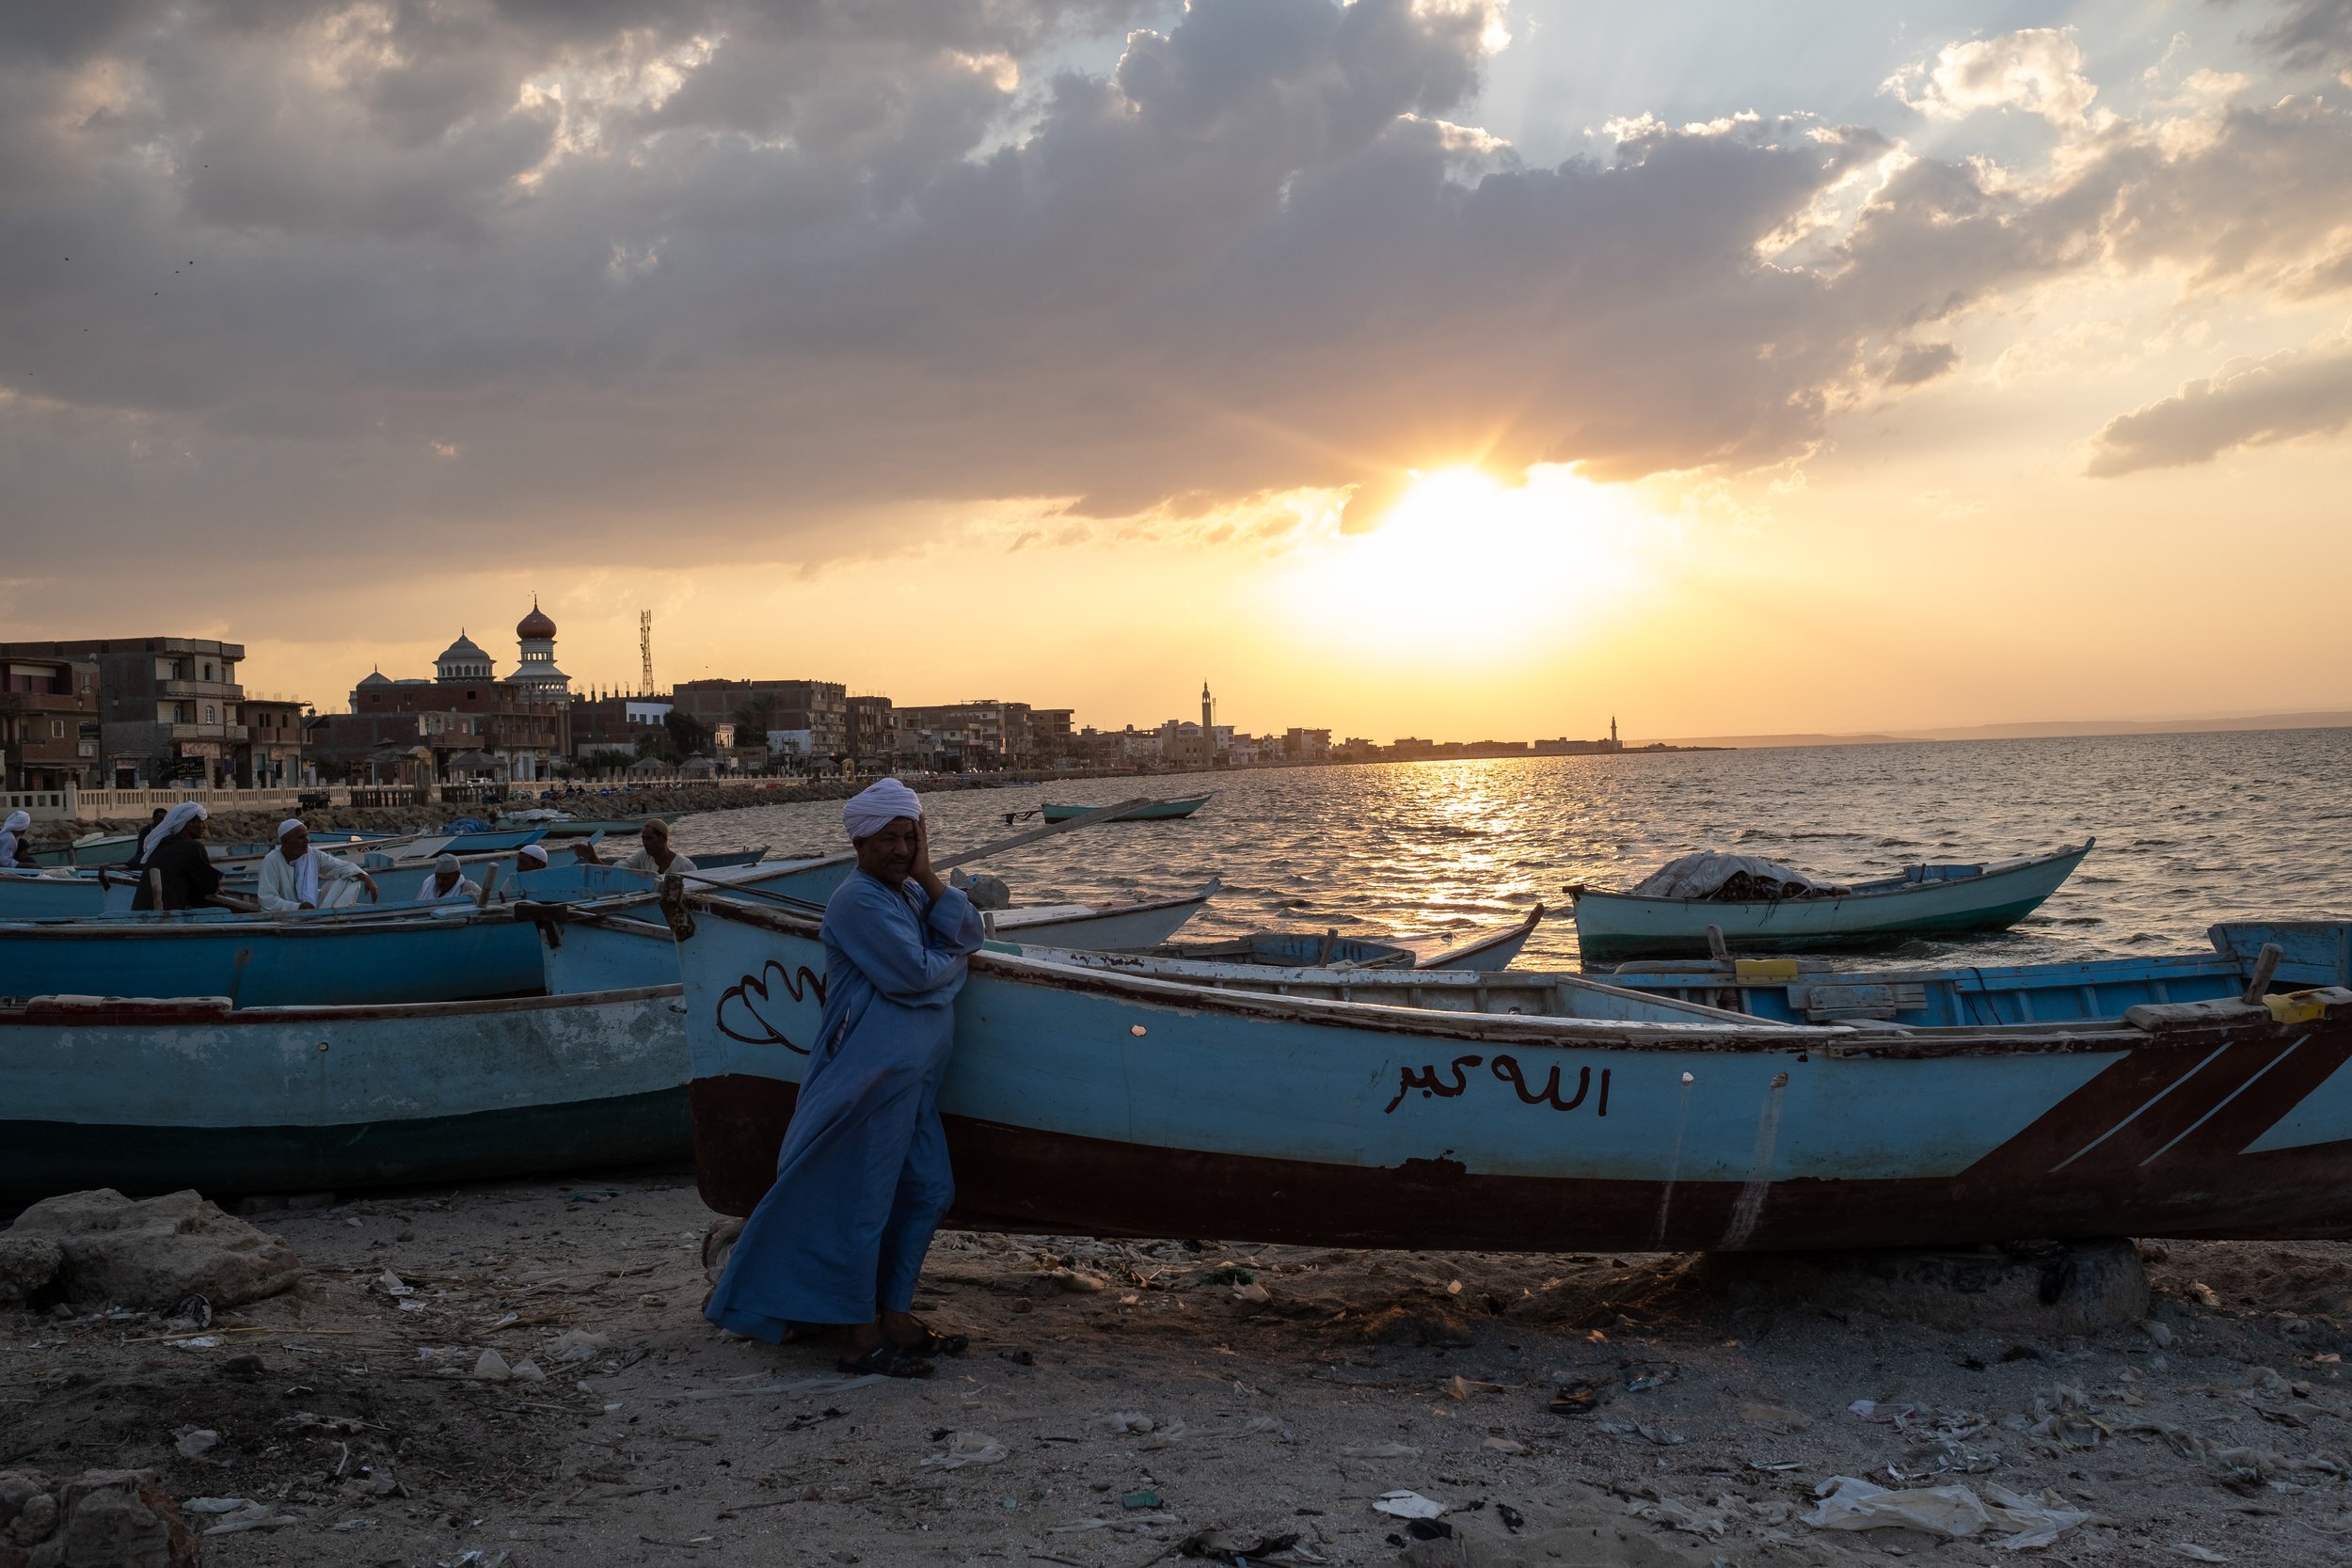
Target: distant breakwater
[(582, 800)]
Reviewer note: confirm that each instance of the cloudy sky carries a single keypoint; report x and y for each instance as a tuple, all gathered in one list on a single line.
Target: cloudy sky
[(1406, 367)]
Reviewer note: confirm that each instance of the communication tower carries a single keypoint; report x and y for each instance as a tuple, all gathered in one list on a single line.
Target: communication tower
[(644, 653)]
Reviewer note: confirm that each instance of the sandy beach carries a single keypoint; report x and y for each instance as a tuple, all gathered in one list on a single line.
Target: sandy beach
[(1126, 1401)]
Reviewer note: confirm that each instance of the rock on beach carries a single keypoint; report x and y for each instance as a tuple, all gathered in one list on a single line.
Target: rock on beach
[(147, 1253)]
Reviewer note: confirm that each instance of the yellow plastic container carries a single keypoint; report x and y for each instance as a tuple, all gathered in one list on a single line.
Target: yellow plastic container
[(2296, 1007)]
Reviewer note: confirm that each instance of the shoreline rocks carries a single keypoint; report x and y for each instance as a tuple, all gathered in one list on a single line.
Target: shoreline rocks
[(97, 1519), (148, 1254)]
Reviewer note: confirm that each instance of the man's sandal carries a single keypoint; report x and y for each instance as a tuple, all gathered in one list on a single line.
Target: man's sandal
[(937, 1344), (887, 1360)]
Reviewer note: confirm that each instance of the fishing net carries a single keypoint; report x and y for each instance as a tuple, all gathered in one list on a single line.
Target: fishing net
[(1712, 874)]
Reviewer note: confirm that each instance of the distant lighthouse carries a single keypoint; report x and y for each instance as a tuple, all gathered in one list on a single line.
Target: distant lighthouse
[(1612, 733), (1208, 710)]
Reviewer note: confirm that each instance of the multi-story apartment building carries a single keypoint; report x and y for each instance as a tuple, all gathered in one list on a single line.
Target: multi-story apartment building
[(169, 707), (271, 757), (820, 707), (49, 726), (982, 733)]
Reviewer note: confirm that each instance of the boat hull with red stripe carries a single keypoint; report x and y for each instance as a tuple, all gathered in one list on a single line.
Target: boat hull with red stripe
[(1089, 1102)]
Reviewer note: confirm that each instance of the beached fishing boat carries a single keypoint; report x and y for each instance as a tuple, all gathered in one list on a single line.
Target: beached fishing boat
[(1494, 950), (99, 848), (155, 1096), (1150, 811), (1085, 1102), (1808, 990), (1109, 928), (1923, 900), (324, 958), (64, 895)]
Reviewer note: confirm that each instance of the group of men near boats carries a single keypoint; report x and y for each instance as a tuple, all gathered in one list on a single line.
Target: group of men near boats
[(863, 1180), (176, 871)]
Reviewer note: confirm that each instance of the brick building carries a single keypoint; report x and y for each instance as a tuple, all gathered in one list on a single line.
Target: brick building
[(49, 725), (168, 706)]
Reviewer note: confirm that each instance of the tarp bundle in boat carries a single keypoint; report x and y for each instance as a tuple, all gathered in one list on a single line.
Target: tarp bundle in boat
[(1712, 874)]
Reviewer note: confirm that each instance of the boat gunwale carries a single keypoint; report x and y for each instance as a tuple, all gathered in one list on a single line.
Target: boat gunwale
[(1451, 957), (1749, 1035), (1111, 912), (78, 1012)]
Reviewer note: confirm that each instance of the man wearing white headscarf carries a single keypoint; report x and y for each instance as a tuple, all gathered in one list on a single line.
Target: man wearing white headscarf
[(175, 873), (297, 877), (449, 882), (14, 851), (863, 1180)]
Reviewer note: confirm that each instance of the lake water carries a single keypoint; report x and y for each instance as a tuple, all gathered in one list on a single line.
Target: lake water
[(2191, 829)]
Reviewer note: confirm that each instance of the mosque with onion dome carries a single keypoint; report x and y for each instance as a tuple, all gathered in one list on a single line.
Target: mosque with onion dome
[(465, 723)]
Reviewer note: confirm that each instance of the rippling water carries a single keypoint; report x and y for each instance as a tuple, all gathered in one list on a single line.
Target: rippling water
[(2191, 829)]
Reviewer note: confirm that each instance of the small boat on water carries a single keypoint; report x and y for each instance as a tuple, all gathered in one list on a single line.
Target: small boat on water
[(1921, 901), (155, 1096), (1084, 1100), (1150, 811), (1494, 950), (1100, 927), (100, 848), (1809, 991)]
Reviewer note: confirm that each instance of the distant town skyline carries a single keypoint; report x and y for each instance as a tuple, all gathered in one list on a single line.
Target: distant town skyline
[(1416, 367)]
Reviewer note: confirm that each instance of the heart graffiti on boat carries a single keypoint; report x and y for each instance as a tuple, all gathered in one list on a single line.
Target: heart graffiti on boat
[(740, 1016)]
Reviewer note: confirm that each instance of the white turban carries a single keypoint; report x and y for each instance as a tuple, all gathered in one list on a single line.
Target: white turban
[(534, 854), (878, 806), (175, 818), (445, 863), (292, 824), (18, 821)]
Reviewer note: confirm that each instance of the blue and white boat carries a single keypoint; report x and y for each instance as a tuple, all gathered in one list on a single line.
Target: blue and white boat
[(1083, 1100), (1809, 991), (156, 1096)]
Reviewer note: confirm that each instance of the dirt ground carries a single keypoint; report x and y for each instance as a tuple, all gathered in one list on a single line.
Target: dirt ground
[(1127, 1402)]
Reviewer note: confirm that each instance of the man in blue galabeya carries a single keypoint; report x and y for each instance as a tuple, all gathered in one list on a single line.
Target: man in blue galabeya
[(863, 1177)]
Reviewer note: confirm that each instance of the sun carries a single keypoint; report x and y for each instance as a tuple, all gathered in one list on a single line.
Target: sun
[(1463, 564)]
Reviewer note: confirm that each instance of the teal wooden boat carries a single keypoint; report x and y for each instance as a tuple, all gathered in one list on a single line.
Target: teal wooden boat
[(1922, 900), (1153, 811), (64, 894), (90, 849), (1085, 1102), (156, 1096), (322, 958), (1809, 991)]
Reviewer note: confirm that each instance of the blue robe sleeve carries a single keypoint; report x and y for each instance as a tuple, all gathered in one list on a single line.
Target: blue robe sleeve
[(907, 965)]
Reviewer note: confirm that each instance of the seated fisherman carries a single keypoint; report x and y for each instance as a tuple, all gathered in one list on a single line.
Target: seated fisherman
[(16, 846), (656, 859), (447, 881), (297, 877), (175, 871)]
